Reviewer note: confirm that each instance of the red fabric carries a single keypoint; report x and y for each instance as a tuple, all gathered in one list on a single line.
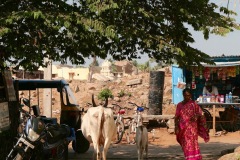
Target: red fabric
[(191, 124)]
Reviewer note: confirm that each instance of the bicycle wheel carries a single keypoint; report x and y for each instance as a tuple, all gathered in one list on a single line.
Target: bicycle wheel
[(120, 131), (132, 132)]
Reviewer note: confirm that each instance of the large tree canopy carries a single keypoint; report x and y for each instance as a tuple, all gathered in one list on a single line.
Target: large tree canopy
[(32, 30)]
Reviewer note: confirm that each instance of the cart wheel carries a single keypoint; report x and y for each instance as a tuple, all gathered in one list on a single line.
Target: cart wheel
[(230, 115), (208, 117), (207, 114), (81, 145)]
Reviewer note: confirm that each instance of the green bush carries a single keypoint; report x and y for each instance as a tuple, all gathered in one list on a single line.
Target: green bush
[(105, 93), (121, 93), (129, 94)]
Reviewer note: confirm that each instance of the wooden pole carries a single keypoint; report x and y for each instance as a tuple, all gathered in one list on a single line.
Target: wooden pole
[(214, 119), (47, 96)]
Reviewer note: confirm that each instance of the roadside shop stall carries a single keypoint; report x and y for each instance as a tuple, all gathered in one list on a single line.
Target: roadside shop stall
[(225, 75)]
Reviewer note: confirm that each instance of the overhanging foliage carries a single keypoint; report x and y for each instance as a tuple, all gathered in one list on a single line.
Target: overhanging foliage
[(59, 30)]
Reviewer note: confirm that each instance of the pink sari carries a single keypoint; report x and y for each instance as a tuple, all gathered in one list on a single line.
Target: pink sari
[(189, 130)]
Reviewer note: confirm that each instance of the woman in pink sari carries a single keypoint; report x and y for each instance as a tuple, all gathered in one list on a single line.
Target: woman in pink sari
[(189, 124)]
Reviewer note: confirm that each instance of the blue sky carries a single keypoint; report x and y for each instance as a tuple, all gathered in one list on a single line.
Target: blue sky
[(218, 45)]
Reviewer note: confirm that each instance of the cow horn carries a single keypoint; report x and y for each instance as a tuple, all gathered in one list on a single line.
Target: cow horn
[(93, 102), (106, 102)]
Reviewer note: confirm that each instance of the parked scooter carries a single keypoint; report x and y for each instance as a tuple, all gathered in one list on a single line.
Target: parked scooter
[(40, 140)]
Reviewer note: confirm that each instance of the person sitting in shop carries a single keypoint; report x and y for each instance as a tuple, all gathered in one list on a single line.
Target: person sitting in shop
[(210, 89), (236, 91), (236, 87)]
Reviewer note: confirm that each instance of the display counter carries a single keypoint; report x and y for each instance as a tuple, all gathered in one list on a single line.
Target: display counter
[(218, 105)]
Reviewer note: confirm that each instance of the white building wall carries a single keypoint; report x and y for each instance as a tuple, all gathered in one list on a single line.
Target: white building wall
[(106, 68)]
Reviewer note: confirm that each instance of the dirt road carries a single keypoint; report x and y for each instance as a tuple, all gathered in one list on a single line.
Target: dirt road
[(165, 147)]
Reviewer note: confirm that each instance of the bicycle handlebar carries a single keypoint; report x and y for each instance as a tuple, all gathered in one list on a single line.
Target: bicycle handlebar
[(133, 103), (114, 104), (90, 104), (138, 107)]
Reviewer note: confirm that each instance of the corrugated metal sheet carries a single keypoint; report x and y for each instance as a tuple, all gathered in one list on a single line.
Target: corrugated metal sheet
[(224, 58), (222, 64)]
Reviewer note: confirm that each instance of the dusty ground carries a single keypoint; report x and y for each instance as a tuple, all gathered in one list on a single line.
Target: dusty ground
[(165, 147)]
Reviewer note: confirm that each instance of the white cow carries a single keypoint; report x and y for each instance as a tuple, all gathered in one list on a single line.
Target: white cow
[(98, 127), (142, 141)]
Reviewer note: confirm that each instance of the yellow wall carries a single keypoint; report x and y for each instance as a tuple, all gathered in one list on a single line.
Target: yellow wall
[(54, 69), (81, 73), (64, 72)]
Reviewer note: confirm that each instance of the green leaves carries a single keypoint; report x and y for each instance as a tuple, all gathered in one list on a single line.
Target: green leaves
[(67, 24), (31, 30), (38, 14), (9, 21), (105, 93), (4, 31)]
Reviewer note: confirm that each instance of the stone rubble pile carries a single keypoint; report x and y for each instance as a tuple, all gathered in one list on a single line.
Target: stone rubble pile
[(133, 88)]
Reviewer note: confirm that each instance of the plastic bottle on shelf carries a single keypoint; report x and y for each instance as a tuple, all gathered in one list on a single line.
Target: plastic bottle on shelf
[(204, 98), (200, 99), (213, 98), (208, 98), (226, 98), (222, 99), (230, 97), (218, 98)]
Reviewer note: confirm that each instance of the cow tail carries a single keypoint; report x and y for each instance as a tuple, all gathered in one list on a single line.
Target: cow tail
[(101, 122)]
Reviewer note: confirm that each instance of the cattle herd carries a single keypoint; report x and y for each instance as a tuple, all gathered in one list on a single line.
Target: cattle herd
[(98, 127)]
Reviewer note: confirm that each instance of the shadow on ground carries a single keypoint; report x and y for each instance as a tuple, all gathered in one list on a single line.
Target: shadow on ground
[(210, 151)]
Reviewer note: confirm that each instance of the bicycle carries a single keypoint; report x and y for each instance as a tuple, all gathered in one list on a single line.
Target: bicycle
[(120, 123), (136, 121)]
